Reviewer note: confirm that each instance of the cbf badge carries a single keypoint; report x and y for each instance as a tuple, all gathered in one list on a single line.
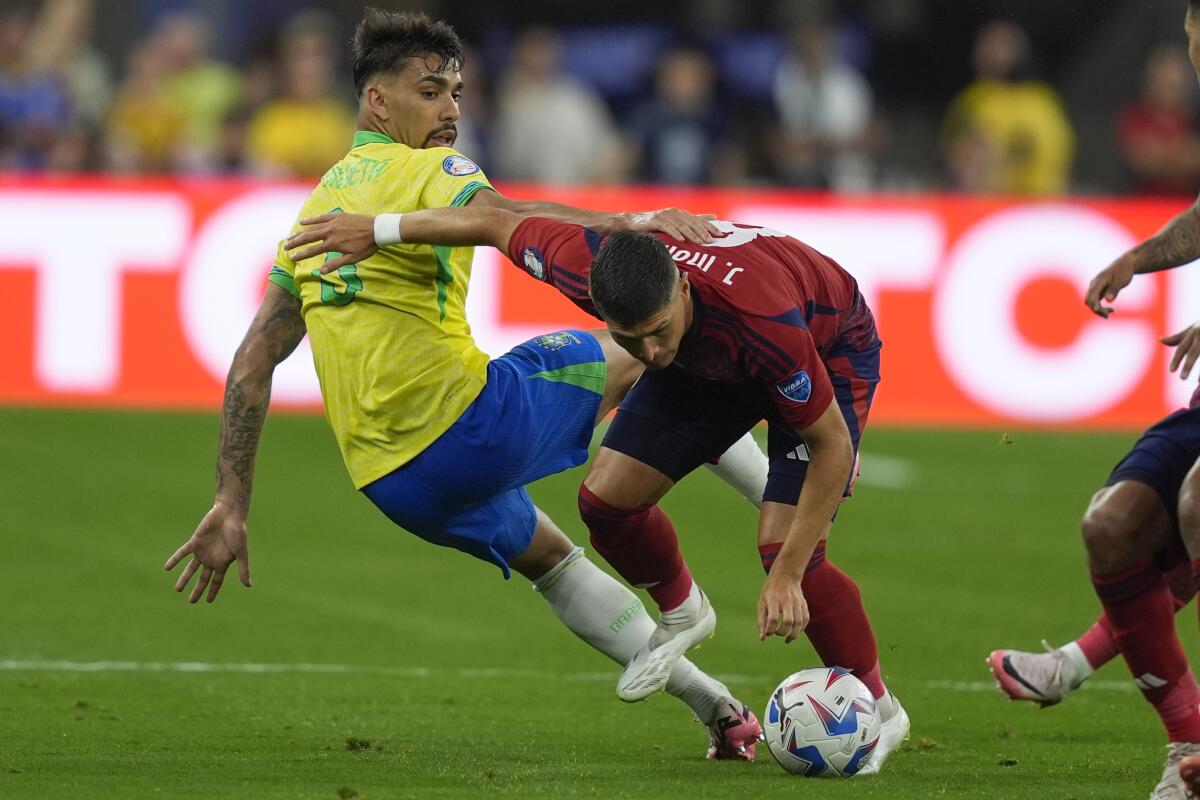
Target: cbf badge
[(797, 388), (557, 341), (458, 166)]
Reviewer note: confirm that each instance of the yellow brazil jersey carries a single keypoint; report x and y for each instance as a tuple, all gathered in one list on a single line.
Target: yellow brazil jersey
[(389, 335)]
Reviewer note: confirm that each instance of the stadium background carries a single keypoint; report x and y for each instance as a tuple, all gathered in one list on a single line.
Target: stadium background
[(148, 166)]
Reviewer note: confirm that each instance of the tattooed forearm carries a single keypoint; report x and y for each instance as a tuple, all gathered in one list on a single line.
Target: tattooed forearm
[(241, 425), (1175, 245), (276, 331)]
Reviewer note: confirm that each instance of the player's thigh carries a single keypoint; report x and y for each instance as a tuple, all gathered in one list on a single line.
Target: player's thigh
[(669, 424), (1189, 510), (495, 529), (623, 372), (1125, 523)]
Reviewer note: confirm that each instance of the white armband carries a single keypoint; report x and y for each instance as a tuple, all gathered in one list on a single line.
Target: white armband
[(387, 229)]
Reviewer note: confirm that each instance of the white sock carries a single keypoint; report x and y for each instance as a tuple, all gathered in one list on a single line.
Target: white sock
[(1078, 661), (744, 467), (609, 617)]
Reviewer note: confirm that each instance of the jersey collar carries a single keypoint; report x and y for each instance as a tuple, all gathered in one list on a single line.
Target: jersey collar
[(371, 137)]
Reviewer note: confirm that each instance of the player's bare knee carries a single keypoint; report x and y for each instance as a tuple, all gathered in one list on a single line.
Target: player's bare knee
[(548, 547), (1189, 516), (1114, 536)]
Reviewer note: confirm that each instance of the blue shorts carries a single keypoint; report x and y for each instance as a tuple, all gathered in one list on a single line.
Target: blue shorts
[(1162, 457), (532, 419), (675, 421)]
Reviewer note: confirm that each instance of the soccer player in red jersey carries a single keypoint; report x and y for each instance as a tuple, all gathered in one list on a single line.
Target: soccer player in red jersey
[(752, 326), (1142, 535)]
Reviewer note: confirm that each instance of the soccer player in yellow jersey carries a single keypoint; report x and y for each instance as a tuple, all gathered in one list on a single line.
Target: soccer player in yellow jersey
[(438, 437)]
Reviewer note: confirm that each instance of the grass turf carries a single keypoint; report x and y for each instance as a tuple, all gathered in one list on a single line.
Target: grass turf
[(461, 685)]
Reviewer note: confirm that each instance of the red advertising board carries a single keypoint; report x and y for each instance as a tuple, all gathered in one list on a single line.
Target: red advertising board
[(136, 293)]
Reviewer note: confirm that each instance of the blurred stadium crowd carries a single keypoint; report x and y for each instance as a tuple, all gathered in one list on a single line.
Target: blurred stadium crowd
[(846, 96)]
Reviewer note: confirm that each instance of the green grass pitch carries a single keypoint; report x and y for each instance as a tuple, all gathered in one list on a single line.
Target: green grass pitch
[(430, 677)]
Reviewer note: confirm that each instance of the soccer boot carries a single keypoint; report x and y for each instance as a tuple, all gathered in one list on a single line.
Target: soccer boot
[(893, 730), (733, 733), (1173, 786), (678, 631), (1189, 772), (1044, 678)]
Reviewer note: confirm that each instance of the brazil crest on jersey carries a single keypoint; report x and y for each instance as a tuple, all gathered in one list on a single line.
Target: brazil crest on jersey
[(393, 351)]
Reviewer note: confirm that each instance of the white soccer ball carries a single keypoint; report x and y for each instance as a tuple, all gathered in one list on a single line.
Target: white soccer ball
[(822, 723)]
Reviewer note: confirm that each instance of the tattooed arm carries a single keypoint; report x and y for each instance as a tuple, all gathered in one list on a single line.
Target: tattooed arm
[(221, 536), (1175, 245)]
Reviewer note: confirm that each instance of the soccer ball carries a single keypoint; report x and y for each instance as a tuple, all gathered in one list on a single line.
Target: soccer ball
[(822, 723)]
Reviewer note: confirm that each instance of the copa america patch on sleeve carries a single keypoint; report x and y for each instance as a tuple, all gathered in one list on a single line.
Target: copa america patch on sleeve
[(797, 388), (458, 166), (535, 262)]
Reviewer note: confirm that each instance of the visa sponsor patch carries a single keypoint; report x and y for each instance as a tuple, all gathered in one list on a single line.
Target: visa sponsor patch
[(458, 166), (535, 262), (797, 388)]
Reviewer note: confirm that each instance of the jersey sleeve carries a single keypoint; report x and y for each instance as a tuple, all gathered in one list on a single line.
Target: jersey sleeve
[(557, 253), (794, 374), (453, 179), (283, 271)]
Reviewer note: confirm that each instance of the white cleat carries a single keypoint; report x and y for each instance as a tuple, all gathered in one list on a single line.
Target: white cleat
[(678, 631), (1172, 785), (1045, 678), (892, 732)]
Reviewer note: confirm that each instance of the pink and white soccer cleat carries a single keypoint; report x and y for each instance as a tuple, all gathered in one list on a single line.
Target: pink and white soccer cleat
[(734, 733), (1044, 678)]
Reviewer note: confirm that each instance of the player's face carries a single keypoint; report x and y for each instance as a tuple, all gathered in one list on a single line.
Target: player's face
[(423, 104), (1191, 26), (655, 340)]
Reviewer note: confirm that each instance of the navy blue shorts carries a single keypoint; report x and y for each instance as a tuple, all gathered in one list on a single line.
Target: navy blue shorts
[(533, 418), (1162, 457), (674, 421)]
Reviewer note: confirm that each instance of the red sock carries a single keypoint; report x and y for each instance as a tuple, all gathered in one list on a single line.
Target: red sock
[(1138, 604), (1097, 643), (641, 546), (837, 625)]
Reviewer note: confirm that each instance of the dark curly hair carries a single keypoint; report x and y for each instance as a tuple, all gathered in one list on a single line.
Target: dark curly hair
[(384, 39)]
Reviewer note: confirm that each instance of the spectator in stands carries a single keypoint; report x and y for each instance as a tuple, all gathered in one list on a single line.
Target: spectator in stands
[(1007, 132), (146, 130), (680, 136), (309, 127), (39, 126), (200, 88), (1156, 132), (824, 108), (550, 128)]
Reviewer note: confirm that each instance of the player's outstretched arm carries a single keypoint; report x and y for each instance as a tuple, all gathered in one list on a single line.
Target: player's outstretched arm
[(221, 536), (1178, 243), (357, 236), (674, 222), (782, 608)]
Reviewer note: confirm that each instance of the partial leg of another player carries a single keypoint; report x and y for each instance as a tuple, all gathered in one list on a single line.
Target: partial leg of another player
[(1189, 530), (1046, 678), (609, 617), (839, 629), (1139, 606)]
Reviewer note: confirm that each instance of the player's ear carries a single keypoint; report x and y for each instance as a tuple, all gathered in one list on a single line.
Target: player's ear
[(685, 287), (376, 101)]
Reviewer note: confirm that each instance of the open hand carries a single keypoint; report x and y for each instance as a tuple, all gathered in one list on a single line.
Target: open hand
[(349, 237), (676, 223), (1187, 349), (217, 542)]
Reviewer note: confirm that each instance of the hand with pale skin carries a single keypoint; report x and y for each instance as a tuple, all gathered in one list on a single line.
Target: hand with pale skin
[(1187, 349), (782, 609), (1108, 284), (353, 235), (218, 541)]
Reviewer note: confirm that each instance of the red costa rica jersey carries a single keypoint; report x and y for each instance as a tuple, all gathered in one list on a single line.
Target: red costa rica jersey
[(767, 308)]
